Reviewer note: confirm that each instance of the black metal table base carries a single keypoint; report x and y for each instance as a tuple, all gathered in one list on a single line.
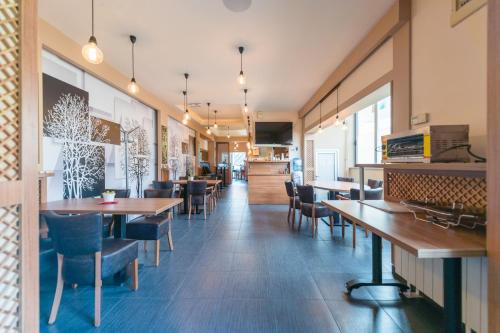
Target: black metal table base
[(357, 283)]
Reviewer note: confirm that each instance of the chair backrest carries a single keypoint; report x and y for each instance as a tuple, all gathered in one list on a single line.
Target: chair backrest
[(306, 193), (163, 185), (74, 235), (345, 179), (374, 183), (154, 193), (120, 193), (290, 190), (198, 187), (372, 194)]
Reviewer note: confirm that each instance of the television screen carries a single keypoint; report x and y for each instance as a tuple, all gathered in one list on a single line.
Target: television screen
[(273, 133)]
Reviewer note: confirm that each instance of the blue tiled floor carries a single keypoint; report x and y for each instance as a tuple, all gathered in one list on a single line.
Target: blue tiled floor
[(244, 270)]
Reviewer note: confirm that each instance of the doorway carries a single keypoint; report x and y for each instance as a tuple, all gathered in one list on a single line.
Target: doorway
[(327, 164)]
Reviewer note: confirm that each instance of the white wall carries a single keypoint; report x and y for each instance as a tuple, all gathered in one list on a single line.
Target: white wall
[(449, 68)]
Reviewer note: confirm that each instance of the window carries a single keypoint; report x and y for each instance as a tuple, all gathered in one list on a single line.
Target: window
[(372, 123)]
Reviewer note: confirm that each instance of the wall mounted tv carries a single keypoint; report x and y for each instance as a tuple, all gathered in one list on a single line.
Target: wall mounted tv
[(273, 133)]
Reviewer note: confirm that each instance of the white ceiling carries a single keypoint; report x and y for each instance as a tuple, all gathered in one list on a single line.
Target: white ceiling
[(291, 45)]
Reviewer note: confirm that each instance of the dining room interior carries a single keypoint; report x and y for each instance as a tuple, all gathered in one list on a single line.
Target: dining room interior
[(249, 166)]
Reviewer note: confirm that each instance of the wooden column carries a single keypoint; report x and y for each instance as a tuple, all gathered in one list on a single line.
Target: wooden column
[(493, 176)]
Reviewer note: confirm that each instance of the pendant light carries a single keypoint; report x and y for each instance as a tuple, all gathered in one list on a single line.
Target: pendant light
[(133, 87), (215, 119), (337, 121), (185, 92), (228, 136), (208, 115), (248, 142), (241, 77), (246, 105), (320, 130), (90, 51), (344, 126), (186, 115)]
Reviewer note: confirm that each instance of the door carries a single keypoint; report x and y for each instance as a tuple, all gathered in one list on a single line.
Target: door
[(18, 167), (326, 165)]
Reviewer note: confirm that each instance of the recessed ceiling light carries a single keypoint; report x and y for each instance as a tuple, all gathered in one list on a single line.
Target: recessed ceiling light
[(237, 5)]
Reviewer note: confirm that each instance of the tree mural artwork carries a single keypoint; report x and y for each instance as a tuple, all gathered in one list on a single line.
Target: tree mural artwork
[(69, 123), (139, 155)]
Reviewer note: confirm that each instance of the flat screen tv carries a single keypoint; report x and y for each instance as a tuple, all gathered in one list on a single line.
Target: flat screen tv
[(273, 133)]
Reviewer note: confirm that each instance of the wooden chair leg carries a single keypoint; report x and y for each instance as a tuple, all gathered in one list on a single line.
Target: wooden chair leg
[(145, 245), (97, 290), (205, 207), (169, 237), (300, 219), (59, 290), (190, 206), (313, 220), (354, 235), (111, 228), (135, 274), (157, 252), (294, 212), (289, 210)]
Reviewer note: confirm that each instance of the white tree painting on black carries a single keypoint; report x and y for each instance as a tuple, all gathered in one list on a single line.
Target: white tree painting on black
[(68, 123), (139, 154)]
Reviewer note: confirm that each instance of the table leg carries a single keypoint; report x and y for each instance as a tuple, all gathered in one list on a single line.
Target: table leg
[(120, 229), (185, 196), (376, 271), (452, 278)]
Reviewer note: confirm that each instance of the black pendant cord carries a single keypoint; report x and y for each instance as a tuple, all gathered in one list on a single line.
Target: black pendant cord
[(92, 17), (208, 114), (132, 39), (215, 117), (186, 75), (246, 97), (320, 115)]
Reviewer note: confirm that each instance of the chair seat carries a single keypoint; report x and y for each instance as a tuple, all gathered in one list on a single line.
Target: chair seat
[(116, 255), (297, 202), (148, 227), (198, 199), (319, 210)]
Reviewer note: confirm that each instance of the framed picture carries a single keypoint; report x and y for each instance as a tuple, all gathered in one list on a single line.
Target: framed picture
[(461, 9)]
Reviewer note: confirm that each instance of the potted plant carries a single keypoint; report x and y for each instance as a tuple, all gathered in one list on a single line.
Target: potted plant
[(108, 196)]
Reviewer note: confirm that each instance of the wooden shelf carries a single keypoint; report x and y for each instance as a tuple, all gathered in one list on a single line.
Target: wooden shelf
[(467, 167)]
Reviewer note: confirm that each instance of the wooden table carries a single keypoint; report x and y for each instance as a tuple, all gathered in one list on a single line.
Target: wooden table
[(150, 206), (423, 240), (183, 183), (334, 186)]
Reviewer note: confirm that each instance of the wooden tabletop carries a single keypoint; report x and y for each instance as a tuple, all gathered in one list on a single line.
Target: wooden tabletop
[(210, 182), (424, 240), (150, 206), (335, 186)]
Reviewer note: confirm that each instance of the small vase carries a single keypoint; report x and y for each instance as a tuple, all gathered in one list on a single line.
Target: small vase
[(108, 197), (191, 178)]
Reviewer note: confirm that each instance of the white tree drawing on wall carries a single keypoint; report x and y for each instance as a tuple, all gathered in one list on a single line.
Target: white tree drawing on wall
[(139, 155), (69, 123)]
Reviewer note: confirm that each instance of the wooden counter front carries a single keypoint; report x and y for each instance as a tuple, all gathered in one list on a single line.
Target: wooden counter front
[(266, 182)]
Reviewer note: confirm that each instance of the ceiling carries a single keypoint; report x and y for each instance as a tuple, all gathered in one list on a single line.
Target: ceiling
[(291, 46)]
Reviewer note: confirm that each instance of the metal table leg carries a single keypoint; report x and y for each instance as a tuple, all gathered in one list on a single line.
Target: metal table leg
[(452, 279), (376, 271)]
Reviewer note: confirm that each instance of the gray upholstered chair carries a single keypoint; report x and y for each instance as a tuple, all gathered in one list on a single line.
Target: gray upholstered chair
[(163, 185), (312, 209), (84, 257), (107, 219), (343, 179), (197, 195), (293, 202), (153, 227), (374, 183)]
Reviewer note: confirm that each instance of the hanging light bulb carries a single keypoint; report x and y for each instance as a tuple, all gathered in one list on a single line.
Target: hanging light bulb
[(228, 136), (320, 130), (90, 51), (241, 77), (337, 121), (208, 118), (246, 105), (215, 122), (344, 126), (133, 87), (186, 112), (209, 131)]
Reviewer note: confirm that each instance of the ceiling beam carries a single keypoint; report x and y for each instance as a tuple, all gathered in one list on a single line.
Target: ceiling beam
[(390, 23)]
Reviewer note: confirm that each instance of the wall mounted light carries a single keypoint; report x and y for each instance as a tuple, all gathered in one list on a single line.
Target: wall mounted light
[(133, 87), (90, 51), (241, 77)]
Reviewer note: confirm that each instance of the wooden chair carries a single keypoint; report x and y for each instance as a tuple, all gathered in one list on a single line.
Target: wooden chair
[(197, 195), (87, 258), (293, 203), (312, 209)]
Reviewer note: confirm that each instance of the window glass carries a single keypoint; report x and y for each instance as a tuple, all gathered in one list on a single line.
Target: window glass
[(383, 123), (365, 138)]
